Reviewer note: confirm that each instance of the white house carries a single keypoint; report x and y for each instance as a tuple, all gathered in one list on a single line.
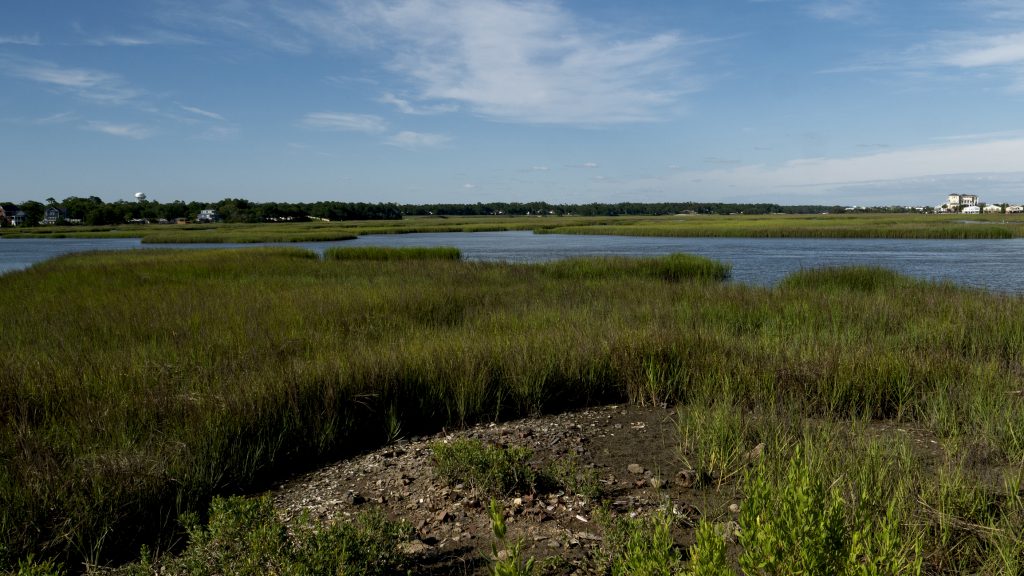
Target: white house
[(1014, 209), (208, 215), (993, 209), (971, 210)]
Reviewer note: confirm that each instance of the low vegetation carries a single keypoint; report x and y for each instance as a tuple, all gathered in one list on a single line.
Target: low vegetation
[(136, 387), (385, 254), (902, 226)]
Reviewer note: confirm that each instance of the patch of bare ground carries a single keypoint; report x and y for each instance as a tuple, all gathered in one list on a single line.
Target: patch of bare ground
[(631, 452)]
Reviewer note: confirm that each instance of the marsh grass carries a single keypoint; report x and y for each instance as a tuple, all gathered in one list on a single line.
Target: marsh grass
[(902, 226), (135, 387), (674, 267), (387, 254)]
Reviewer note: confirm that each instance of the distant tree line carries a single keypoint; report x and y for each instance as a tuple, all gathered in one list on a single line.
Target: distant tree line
[(620, 209), (94, 211)]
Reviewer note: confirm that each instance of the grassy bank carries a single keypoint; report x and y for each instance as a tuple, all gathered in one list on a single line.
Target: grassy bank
[(902, 226), (899, 226), (135, 386)]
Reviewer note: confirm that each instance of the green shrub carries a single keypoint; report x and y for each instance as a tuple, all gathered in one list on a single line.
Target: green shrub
[(506, 558), (793, 526), (569, 474), (244, 537), (641, 546), (489, 470), (707, 555)]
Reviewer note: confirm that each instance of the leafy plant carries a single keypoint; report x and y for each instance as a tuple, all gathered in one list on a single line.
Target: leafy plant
[(507, 558), (567, 473), (707, 555), (245, 537), (642, 546), (490, 470), (794, 526)]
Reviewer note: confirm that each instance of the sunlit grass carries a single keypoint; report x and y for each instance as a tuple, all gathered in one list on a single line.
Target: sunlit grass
[(135, 386), (897, 226)]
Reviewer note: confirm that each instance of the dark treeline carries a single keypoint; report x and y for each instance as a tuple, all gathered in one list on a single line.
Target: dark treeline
[(94, 211), (620, 209)]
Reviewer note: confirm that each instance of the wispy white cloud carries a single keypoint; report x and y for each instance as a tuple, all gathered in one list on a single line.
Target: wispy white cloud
[(1000, 10), (526, 61), (1002, 134), (201, 112), (237, 19), (407, 107), (985, 47), (58, 118), (839, 9), (977, 51), (366, 123), (217, 132), (997, 156), (414, 140), (95, 85), (132, 131), (150, 38), (23, 40)]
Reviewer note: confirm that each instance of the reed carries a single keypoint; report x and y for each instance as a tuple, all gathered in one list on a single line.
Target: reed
[(136, 386), (895, 226), (387, 254)]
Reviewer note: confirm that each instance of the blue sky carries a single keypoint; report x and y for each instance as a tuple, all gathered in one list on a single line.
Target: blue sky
[(864, 102)]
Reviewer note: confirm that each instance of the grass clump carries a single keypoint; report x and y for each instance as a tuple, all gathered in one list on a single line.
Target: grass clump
[(245, 537), (713, 440), (642, 545), (490, 470), (569, 474), (375, 253), (674, 268), (863, 278)]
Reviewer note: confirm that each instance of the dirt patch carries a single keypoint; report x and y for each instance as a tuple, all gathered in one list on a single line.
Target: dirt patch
[(630, 451)]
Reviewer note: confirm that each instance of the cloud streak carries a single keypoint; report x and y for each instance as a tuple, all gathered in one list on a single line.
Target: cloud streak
[(131, 131), (406, 107), (839, 10), (161, 37), (201, 112), (417, 140), (95, 85), (529, 61), (999, 156), (24, 40), (342, 122)]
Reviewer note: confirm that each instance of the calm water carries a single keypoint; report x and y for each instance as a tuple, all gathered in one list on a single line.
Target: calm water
[(993, 264)]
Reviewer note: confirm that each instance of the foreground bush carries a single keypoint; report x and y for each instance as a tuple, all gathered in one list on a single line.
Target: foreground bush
[(244, 537)]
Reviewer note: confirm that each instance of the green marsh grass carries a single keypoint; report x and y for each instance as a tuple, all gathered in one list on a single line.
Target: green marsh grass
[(896, 226), (899, 226), (386, 254), (135, 387)]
